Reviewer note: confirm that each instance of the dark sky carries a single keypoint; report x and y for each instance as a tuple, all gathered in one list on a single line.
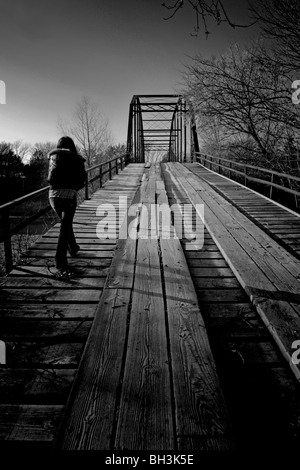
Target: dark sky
[(53, 52)]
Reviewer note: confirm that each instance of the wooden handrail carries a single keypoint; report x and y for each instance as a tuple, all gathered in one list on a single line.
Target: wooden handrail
[(5, 209), (247, 165), (246, 176)]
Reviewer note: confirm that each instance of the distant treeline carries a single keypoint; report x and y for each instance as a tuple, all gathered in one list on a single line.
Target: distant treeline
[(23, 170)]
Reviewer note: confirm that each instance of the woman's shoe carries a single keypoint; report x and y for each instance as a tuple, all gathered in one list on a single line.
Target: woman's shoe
[(65, 273)]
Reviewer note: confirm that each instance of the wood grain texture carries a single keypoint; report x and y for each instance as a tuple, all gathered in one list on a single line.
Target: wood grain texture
[(45, 322), (145, 406), (89, 419), (40, 386), (29, 422), (200, 405), (266, 271)]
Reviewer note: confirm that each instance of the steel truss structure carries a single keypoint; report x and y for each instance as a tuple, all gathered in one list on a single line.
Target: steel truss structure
[(159, 123)]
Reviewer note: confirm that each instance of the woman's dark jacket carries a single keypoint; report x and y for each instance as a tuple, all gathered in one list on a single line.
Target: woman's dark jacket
[(66, 170)]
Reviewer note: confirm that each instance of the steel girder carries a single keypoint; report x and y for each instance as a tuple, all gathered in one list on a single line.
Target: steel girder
[(158, 123)]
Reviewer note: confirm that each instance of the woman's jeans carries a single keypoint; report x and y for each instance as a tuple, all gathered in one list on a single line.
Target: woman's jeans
[(65, 209)]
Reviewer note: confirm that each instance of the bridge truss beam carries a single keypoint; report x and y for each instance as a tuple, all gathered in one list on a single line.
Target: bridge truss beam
[(159, 123)]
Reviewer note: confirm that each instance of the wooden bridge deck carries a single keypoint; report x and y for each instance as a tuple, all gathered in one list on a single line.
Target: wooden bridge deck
[(157, 343)]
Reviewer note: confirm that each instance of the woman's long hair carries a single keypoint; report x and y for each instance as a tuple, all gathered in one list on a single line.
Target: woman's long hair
[(66, 143)]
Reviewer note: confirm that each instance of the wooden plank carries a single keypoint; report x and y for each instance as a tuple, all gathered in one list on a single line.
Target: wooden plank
[(248, 353), (40, 330), (146, 396), (121, 272), (200, 406), (240, 330), (80, 240), (280, 266), (45, 322), (29, 422), (54, 354), (83, 270), (228, 311), (216, 283), (146, 365), (273, 260), (205, 255), (82, 233), (81, 255), (90, 415), (74, 295), (214, 272), (89, 421), (86, 247), (251, 238), (191, 355), (40, 386), (191, 248), (221, 295), (46, 282), (50, 311), (74, 262), (210, 262)]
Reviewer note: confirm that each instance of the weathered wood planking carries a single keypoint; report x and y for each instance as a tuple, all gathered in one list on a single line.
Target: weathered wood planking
[(45, 323), (42, 330), (252, 377), (53, 354), (29, 423), (202, 420), (269, 215), (250, 259), (200, 405), (90, 415), (45, 386), (201, 412), (144, 403), (145, 406)]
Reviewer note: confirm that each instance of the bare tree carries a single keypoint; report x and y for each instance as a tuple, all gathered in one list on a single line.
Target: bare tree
[(43, 147), (204, 10), (90, 128), (247, 98), (21, 148), (280, 21)]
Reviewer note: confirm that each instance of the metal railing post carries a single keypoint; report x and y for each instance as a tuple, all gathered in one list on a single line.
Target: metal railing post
[(117, 166), (245, 176), (109, 166), (271, 187), (7, 241), (86, 186), (100, 176)]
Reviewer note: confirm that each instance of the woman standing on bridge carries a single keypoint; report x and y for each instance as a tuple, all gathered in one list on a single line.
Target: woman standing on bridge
[(66, 176)]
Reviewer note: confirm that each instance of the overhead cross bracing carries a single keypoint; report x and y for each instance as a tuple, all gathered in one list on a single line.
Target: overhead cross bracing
[(158, 123)]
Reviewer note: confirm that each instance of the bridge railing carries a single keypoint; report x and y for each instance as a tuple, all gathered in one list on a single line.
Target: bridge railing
[(13, 220), (243, 171)]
